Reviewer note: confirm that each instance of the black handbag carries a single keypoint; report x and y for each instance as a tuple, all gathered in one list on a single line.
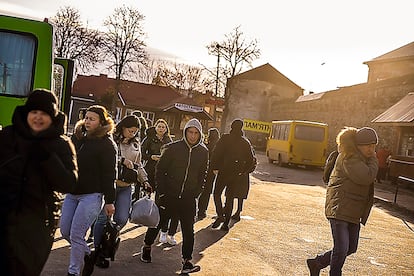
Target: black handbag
[(126, 174)]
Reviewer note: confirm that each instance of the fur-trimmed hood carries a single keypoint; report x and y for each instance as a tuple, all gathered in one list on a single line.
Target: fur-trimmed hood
[(346, 141), (80, 131)]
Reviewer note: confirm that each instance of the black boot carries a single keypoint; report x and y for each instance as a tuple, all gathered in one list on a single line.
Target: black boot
[(314, 267), (89, 263)]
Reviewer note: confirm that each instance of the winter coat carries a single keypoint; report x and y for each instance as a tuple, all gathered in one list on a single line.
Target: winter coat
[(32, 170), (350, 191), (132, 152), (233, 157), (329, 165), (97, 161), (181, 170), (151, 145)]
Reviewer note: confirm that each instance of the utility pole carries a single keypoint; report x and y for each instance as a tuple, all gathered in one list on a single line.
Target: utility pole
[(217, 83)]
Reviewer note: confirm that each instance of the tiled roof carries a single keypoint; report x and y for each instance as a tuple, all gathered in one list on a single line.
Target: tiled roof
[(133, 93)]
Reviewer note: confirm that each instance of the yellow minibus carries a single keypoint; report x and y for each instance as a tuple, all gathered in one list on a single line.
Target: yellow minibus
[(297, 142)]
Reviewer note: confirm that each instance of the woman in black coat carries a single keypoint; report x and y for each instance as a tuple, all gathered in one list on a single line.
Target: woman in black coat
[(96, 155), (233, 159), (36, 161), (158, 136)]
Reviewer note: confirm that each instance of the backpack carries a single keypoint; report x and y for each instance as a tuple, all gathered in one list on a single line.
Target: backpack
[(329, 165)]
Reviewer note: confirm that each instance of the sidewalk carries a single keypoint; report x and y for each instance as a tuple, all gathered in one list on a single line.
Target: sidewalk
[(385, 192)]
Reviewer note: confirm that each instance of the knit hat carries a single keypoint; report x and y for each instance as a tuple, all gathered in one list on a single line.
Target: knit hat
[(237, 124), (44, 100), (366, 136)]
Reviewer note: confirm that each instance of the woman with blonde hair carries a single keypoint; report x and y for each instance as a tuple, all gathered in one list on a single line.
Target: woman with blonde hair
[(96, 156), (157, 136)]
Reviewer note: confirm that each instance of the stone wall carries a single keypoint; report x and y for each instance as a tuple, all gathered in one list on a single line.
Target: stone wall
[(353, 106)]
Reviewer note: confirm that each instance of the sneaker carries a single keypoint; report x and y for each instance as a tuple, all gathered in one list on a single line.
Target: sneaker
[(217, 222), (171, 240), (313, 266), (163, 237), (89, 263), (225, 227), (146, 254), (188, 267)]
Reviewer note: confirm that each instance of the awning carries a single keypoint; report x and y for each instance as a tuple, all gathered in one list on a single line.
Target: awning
[(400, 114), (195, 111)]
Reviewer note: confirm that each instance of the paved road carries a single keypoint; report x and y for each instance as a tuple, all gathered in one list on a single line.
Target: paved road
[(282, 225)]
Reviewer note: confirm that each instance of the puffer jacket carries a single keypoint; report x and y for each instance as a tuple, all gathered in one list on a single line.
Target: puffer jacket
[(350, 191), (181, 170), (32, 170), (151, 145), (97, 161)]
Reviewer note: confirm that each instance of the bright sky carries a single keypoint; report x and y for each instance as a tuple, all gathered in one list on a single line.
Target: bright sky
[(296, 36)]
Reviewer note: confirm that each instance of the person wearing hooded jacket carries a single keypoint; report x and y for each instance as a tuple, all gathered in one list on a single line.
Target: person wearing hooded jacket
[(180, 177), (36, 161), (349, 196), (96, 156)]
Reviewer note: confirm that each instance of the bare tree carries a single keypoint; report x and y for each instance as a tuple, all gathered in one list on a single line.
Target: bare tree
[(147, 72), (185, 78), (234, 53), (74, 41), (124, 45), (124, 41)]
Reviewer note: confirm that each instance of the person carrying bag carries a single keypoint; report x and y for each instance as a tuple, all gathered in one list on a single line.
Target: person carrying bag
[(145, 212)]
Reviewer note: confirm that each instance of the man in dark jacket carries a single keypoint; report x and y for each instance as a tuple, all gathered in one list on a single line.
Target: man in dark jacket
[(233, 159), (179, 176)]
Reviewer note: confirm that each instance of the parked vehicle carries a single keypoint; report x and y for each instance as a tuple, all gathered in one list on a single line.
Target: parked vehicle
[(298, 143), (27, 62)]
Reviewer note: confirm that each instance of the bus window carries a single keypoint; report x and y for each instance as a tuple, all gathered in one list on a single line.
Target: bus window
[(17, 54), (297, 142), (309, 133), (285, 132)]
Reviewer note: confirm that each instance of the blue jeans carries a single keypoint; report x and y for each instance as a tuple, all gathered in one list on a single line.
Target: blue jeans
[(345, 239), (78, 214), (121, 216)]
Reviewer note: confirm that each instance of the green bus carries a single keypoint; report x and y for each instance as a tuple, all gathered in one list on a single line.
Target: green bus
[(27, 62)]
